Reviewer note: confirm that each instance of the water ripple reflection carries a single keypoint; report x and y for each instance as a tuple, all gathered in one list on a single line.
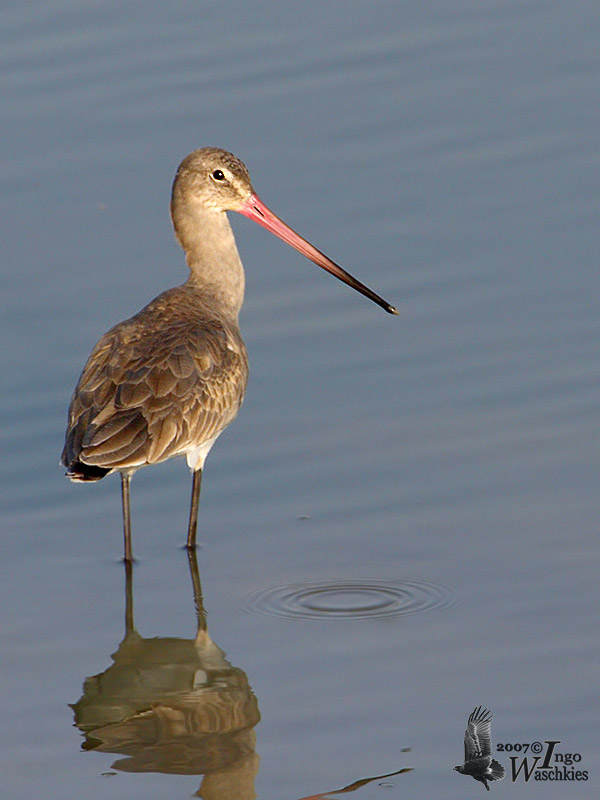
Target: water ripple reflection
[(348, 599)]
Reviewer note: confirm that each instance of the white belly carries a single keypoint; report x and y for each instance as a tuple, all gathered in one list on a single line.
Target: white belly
[(196, 456)]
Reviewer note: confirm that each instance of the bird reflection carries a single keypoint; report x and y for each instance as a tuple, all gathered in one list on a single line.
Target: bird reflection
[(174, 706)]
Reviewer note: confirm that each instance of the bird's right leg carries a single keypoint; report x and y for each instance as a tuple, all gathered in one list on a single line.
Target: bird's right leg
[(125, 478)]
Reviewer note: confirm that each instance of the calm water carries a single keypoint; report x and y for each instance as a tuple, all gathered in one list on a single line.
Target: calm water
[(401, 525)]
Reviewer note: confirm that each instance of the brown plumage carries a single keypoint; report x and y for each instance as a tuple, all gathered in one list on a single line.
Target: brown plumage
[(169, 380), (156, 386)]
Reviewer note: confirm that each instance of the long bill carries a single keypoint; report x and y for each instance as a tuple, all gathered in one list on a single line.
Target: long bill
[(256, 210)]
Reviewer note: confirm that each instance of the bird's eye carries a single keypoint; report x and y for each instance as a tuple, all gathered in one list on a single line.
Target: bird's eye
[(218, 175)]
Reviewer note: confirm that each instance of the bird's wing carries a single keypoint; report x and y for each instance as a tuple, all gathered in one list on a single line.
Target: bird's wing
[(470, 746), (478, 738), (154, 387)]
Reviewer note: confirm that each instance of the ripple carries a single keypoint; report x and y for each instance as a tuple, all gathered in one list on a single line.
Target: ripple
[(348, 599)]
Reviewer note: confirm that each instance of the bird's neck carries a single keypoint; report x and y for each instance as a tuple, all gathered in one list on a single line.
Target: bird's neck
[(211, 254)]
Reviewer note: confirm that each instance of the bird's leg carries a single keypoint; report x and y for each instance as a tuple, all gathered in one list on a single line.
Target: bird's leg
[(125, 477), (193, 524), (129, 627), (197, 587)]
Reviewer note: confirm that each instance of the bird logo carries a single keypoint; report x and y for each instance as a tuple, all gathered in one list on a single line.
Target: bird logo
[(479, 763)]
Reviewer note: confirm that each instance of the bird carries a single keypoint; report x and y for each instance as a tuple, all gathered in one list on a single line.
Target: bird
[(479, 763), (169, 380)]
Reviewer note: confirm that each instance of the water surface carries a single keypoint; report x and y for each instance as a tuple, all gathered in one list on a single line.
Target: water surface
[(446, 154)]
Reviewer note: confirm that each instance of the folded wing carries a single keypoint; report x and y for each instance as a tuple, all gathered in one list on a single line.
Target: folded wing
[(155, 386)]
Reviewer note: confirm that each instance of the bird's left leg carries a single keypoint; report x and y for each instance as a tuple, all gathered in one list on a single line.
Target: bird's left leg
[(193, 523)]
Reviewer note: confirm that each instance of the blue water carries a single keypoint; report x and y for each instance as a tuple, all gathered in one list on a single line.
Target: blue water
[(443, 463)]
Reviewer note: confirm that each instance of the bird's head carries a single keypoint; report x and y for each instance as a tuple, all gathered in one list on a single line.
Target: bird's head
[(213, 179)]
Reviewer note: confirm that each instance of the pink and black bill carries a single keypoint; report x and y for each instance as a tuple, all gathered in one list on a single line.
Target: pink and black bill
[(256, 210)]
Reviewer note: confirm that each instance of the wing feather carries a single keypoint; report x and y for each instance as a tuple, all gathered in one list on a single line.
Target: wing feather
[(117, 451), (132, 395), (157, 385), (478, 737)]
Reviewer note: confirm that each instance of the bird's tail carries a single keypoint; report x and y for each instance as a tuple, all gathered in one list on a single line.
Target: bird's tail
[(497, 770), (85, 473), (78, 470)]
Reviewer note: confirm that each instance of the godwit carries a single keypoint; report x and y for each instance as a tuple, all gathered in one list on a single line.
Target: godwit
[(169, 380)]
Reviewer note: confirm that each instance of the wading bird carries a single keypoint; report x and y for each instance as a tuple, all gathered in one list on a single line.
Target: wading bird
[(169, 380), (479, 763)]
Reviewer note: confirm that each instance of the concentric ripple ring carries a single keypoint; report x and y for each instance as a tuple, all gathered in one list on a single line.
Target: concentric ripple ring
[(348, 599)]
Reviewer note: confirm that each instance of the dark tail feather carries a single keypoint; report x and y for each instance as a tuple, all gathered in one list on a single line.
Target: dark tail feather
[(78, 471), (497, 770)]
